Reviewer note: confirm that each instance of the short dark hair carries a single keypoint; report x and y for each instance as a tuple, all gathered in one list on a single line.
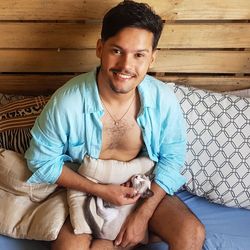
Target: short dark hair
[(131, 14)]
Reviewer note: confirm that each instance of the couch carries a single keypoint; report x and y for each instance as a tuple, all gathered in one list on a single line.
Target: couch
[(217, 167)]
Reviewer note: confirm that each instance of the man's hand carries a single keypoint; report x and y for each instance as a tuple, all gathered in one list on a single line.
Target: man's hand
[(133, 230), (117, 194)]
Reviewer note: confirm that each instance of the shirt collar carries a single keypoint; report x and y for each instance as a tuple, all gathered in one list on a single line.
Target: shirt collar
[(146, 92), (92, 101)]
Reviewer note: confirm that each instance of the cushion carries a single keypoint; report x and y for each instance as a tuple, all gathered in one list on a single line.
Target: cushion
[(112, 171), (31, 211), (5, 98), (16, 120), (218, 149)]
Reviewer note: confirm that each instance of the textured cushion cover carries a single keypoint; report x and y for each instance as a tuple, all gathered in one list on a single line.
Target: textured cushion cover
[(218, 150), (5, 98), (16, 120), (31, 211)]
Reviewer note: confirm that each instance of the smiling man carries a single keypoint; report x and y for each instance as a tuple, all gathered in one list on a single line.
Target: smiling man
[(118, 112)]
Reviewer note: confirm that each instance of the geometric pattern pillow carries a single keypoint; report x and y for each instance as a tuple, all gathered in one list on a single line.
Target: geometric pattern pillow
[(16, 120), (218, 145)]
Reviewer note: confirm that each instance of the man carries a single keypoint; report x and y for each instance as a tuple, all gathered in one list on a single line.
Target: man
[(118, 112)]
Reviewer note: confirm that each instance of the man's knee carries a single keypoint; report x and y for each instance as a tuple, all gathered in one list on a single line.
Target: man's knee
[(191, 235), (177, 225)]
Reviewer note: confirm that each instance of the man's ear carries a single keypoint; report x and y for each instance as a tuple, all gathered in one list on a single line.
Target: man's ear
[(153, 58), (99, 46)]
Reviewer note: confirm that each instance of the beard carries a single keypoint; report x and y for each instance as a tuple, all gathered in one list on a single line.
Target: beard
[(112, 80)]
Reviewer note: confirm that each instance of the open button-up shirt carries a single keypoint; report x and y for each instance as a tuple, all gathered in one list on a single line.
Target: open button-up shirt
[(70, 127)]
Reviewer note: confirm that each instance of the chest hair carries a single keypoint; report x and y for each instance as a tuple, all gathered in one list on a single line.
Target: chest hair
[(119, 135)]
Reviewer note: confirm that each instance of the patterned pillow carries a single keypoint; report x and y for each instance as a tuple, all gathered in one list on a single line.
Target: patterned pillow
[(16, 120), (5, 98), (218, 150)]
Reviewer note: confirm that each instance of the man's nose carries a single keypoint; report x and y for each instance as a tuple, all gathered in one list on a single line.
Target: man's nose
[(126, 61)]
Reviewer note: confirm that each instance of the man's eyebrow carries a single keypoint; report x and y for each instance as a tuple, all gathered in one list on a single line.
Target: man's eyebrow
[(120, 48)]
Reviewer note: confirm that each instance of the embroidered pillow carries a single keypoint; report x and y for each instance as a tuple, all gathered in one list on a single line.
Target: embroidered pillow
[(16, 120), (218, 149), (5, 98), (28, 211)]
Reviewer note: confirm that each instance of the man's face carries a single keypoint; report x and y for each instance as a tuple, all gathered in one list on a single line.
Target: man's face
[(125, 59)]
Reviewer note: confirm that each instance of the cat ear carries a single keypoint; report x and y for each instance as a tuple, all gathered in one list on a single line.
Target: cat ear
[(151, 176), (148, 193)]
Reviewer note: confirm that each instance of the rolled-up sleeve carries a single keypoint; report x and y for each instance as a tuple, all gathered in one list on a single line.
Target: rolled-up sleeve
[(172, 148), (167, 170), (45, 156)]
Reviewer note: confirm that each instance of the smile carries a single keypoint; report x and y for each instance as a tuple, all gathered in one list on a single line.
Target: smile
[(123, 76)]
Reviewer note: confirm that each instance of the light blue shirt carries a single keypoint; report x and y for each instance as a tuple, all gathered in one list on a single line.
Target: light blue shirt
[(70, 127)]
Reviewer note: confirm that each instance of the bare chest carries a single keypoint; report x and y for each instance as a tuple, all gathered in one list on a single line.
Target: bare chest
[(122, 141)]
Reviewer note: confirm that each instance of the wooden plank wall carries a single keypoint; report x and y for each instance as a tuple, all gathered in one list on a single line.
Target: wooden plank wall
[(43, 43)]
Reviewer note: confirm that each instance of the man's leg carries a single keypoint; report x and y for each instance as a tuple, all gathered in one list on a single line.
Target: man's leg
[(174, 223), (105, 245), (67, 240)]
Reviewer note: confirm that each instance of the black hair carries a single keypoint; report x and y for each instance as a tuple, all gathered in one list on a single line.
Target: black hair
[(131, 14)]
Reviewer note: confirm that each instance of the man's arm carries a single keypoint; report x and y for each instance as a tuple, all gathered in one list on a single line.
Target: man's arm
[(149, 205), (138, 220), (115, 194), (134, 228)]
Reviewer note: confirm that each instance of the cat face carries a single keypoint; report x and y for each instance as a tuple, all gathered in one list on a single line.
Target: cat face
[(142, 183)]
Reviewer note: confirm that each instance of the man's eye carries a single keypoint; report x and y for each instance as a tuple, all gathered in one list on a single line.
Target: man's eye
[(116, 51), (138, 55)]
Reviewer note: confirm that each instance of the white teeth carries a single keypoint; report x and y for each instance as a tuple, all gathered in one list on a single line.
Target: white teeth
[(124, 76)]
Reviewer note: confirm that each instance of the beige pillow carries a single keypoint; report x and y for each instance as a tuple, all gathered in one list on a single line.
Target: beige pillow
[(103, 171), (30, 211)]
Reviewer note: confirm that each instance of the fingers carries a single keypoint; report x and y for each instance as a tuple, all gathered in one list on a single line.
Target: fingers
[(130, 192), (126, 184), (119, 237), (122, 240), (131, 195)]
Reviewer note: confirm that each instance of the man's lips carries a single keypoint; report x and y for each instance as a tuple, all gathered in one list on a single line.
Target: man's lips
[(123, 75)]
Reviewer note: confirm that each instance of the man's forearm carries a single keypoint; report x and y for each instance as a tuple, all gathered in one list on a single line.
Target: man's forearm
[(149, 205), (115, 194), (71, 179)]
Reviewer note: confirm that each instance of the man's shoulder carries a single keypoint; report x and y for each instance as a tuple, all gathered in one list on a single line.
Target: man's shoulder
[(158, 87), (157, 83), (71, 95), (75, 84)]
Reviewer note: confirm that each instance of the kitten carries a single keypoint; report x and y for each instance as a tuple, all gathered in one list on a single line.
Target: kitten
[(114, 216)]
